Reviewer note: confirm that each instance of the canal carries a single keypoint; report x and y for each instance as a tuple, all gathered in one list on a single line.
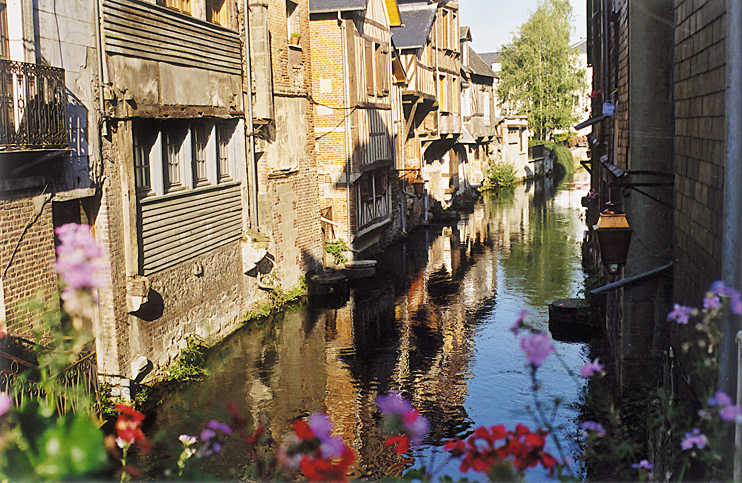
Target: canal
[(433, 324)]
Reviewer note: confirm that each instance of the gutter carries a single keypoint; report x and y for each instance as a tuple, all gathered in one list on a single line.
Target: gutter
[(346, 103), (730, 232), (631, 280), (252, 183)]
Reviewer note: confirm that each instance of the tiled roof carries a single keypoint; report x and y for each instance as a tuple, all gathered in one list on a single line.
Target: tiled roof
[(490, 57), (417, 18), (478, 66), (325, 6)]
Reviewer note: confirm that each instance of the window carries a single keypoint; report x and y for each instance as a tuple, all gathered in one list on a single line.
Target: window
[(224, 135), (382, 71), (443, 89), (293, 20), (4, 47), (200, 139), (173, 156), (179, 5), (143, 144), (369, 54), (216, 12), (174, 159)]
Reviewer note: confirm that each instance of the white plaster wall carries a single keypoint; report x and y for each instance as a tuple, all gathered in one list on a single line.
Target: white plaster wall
[(64, 36)]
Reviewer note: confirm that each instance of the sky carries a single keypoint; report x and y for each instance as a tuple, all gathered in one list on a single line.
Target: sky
[(493, 22)]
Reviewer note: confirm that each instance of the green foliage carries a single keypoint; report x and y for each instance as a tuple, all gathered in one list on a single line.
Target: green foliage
[(499, 175), (539, 77), (41, 445), (337, 249), (189, 365)]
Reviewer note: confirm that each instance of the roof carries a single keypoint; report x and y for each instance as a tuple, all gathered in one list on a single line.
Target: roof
[(326, 6), (580, 47), (392, 8), (478, 66), (417, 19), (490, 57), (464, 33)]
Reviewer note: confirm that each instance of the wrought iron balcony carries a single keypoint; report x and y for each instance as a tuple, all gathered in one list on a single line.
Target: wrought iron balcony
[(33, 103)]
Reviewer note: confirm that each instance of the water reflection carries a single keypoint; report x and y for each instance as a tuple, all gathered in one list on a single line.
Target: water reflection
[(432, 324)]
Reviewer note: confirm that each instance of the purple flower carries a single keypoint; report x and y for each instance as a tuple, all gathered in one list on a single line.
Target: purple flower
[(217, 426), (5, 403), (591, 368), (643, 465), (207, 434), (729, 412), (332, 446), (80, 260), (694, 439), (680, 314), (593, 426), (521, 317), (402, 415), (537, 348), (735, 302), (720, 399), (712, 302)]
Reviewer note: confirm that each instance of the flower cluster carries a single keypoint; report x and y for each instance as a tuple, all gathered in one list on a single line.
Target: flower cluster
[(320, 456), (590, 368), (521, 447), (403, 421), (128, 427), (5, 403), (213, 437), (593, 426), (694, 439), (537, 348), (82, 268)]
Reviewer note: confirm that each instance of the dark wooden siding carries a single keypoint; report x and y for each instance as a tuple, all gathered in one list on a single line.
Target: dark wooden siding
[(151, 32), (180, 226)]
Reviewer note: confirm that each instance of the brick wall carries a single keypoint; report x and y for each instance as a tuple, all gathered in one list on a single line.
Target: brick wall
[(28, 269), (700, 82), (327, 91)]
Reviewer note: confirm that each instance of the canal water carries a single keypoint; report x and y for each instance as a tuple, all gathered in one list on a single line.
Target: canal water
[(434, 324)]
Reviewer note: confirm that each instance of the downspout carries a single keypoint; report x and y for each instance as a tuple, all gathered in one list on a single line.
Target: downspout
[(346, 114), (101, 53), (730, 246), (252, 183)]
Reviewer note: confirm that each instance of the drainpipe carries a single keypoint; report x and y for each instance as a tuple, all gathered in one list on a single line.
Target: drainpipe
[(252, 180), (346, 103), (730, 246), (101, 52)]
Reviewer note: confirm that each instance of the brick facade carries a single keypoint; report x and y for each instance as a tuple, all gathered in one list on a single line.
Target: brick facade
[(700, 85), (27, 259)]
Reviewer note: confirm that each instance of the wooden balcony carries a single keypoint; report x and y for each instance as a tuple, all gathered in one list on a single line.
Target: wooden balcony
[(33, 107)]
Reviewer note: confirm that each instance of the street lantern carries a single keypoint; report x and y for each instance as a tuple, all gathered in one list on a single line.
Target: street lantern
[(418, 186), (614, 237)]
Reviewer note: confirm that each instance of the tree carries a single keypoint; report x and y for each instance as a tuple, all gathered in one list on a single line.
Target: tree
[(539, 76)]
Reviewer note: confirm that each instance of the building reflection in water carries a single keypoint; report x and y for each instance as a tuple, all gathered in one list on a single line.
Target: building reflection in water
[(412, 328)]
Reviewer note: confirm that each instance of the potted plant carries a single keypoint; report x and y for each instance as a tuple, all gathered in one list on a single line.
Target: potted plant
[(295, 38)]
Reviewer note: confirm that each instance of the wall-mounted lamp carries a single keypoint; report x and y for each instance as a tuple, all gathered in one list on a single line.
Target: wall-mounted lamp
[(614, 238), (418, 185)]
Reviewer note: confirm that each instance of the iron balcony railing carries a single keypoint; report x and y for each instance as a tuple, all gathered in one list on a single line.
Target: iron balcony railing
[(33, 104)]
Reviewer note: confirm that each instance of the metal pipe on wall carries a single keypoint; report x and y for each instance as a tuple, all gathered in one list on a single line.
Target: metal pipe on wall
[(252, 184), (730, 244), (346, 103)]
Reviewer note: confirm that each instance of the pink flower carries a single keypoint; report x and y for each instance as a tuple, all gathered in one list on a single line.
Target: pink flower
[(735, 301), (720, 399), (537, 348), (5, 403), (521, 317), (402, 417), (591, 368), (82, 268)]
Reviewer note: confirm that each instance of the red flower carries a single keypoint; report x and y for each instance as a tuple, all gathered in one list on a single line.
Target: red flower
[(521, 447), (321, 469), (401, 443), (128, 426), (302, 430)]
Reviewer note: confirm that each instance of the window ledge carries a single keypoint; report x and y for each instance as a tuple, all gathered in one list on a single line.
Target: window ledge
[(282, 173)]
